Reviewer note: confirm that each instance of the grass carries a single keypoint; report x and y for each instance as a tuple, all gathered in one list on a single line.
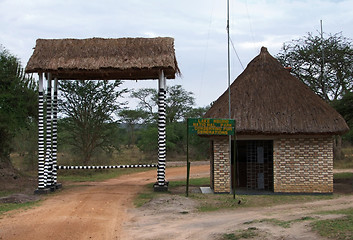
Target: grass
[(145, 196), (6, 193), (346, 161), (281, 223), (5, 207), (241, 234), (91, 175), (341, 228), (345, 175), (214, 202), (192, 182)]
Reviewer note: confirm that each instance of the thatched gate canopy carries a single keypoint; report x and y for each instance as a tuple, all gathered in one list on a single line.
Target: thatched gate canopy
[(267, 99), (105, 59)]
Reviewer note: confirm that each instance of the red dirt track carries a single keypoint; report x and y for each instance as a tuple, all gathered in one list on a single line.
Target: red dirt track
[(96, 211)]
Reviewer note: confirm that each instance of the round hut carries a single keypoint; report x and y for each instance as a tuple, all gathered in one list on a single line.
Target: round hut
[(284, 133)]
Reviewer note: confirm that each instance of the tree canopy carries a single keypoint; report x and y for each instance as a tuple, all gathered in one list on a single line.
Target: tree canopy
[(89, 107), (178, 102), (325, 63), (18, 100)]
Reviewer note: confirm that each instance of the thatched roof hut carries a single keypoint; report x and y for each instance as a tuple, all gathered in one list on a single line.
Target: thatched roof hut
[(105, 59), (267, 99)]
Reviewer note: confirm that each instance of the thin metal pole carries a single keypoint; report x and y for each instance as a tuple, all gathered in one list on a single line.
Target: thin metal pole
[(187, 158), (323, 59), (234, 160), (229, 104), (228, 38)]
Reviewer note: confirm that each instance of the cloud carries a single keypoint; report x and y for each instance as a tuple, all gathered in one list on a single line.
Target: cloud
[(198, 26)]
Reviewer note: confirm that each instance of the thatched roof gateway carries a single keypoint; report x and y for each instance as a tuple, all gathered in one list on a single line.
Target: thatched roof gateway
[(105, 59), (267, 99)]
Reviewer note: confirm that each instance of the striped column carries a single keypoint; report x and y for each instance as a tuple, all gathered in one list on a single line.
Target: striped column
[(41, 150), (48, 158), (55, 131), (162, 149)]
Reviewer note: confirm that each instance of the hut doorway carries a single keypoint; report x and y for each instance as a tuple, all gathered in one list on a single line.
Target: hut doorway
[(254, 165)]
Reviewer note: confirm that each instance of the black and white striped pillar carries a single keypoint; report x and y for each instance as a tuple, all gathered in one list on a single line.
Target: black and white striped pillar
[(161, 184), (48, 157), (55, 132), (41, 145)]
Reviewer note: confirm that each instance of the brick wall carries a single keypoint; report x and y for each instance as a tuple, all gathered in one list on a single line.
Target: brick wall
[(222, 177), (303, 165)]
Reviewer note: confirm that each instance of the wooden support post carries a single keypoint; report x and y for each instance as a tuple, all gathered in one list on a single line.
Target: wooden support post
[(55, 134), (162, 184), (41, 147), (48, 157)]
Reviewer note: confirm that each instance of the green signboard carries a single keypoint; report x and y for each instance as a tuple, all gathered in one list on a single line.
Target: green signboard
[(209, 126)]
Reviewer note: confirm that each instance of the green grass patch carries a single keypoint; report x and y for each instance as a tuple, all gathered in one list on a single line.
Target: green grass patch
[(6, 193), (341, 228), (347, 159), (192, 182), (214, 202), (281, 223), (145, 196), (92, 175), (345, 175), (241, 234), (5, 207)]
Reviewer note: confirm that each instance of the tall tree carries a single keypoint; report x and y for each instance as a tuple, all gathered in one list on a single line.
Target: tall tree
[(131, 118), (178, 102), (90, 107), (345, 107), (324, 64), (18, 102)]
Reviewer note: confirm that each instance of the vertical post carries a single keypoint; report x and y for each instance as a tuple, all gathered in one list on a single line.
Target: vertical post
[(229, 103), (55, 133), (48, 157), (41, 147), (161, 184), (187, 158), (234, 159)]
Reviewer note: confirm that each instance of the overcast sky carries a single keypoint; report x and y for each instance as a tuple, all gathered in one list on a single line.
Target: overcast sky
[(198, 27)]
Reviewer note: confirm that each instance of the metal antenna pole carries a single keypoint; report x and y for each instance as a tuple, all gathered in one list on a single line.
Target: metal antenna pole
[(229, 104), (323, 56), (228, 36)]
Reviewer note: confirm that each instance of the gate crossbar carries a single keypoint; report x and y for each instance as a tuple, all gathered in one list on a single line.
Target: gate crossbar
[(109, 167)]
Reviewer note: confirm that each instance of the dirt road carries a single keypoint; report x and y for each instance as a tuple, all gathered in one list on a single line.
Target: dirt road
[(104, 210), (95, 211)]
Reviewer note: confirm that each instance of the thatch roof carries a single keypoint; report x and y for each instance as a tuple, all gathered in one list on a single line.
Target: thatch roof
[(267, 99), (104, 59)]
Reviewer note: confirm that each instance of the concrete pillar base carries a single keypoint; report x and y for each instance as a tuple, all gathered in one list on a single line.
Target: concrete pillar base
[(42, 191), (161, 188)]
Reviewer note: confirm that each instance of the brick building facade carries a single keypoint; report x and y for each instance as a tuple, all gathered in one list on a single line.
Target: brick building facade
[(284, 133), (301, 164)]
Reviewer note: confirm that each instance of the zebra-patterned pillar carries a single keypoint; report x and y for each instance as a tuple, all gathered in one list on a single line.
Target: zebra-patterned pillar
[(55, 131), (48, 157), (41, 147), (161, 133)]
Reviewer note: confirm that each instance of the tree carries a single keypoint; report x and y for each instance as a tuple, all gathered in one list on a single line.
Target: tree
[(131, 118), (178, 102), (18, 102), (345, 107), (89, 107), (324, 64)]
